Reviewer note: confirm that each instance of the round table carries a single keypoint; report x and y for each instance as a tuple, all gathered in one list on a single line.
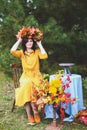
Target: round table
[(66, 67), (76, 91)]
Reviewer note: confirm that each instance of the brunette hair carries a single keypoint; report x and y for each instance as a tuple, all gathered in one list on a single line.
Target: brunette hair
[(24, 41)]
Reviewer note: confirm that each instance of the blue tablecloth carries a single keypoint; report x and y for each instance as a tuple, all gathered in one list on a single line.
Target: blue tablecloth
[(76, 91)]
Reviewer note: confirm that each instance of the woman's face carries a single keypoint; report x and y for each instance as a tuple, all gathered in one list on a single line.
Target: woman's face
[(29, 44)]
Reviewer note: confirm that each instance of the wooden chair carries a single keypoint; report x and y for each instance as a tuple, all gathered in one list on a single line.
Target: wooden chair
[(16, 73)]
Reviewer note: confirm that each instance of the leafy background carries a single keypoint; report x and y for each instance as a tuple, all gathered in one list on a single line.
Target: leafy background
[(64, 24)]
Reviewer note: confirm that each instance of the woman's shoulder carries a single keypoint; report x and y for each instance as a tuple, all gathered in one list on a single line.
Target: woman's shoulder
[(17, 53), (37, 50)]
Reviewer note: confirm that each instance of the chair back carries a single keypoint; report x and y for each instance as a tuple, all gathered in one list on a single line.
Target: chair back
[(16, 73)]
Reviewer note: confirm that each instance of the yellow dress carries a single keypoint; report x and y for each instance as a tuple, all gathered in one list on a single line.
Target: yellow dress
[(30, 77)]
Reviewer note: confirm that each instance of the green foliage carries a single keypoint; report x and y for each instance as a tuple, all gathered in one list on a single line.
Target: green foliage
[(31, 21), (79, 69), (6, 59), (52, 31), (62, 22)]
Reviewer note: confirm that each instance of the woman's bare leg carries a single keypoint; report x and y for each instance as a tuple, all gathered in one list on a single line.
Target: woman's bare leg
[(36, 113), (28, 109), (34, 108), (29, 113)]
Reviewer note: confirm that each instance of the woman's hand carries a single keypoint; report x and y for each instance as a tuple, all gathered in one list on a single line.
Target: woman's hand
[(20, 40), (38, 43), (41, 47)]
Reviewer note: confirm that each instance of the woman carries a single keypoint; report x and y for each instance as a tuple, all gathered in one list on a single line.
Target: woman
[(31, 75)]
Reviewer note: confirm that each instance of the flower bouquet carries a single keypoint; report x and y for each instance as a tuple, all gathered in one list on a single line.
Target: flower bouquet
[(53, 92)]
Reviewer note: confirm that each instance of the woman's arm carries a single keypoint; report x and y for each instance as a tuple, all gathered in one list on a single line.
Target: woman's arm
[(15, 46), (41, 47)]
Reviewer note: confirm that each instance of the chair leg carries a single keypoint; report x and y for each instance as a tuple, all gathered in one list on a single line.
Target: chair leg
[(13, 106)]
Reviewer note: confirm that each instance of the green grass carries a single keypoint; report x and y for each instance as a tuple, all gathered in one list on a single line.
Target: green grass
[(17, 120)]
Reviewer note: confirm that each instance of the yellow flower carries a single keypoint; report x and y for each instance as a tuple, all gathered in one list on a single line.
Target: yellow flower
[(61, 90), (57, 100), (55, 83), (52, 90)]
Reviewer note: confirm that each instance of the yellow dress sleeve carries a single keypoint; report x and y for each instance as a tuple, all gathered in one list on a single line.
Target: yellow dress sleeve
[(16, 53), (41, 56)]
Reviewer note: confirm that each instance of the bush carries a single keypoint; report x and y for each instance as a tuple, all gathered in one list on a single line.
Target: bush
[(6, 59)]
